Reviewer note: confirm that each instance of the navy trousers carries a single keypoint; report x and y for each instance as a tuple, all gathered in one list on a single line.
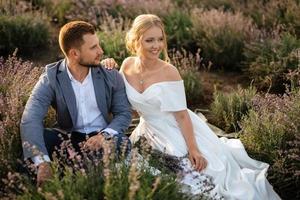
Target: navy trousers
[(54, 139)]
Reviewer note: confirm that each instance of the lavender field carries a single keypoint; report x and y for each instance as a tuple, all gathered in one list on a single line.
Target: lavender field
[(240, 61)]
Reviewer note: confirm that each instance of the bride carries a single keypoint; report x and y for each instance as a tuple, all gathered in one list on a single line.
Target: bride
[(156, 91)]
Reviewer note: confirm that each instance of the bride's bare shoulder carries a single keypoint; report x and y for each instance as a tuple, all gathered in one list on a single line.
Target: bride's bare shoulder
[(127, 62), (171, 72)]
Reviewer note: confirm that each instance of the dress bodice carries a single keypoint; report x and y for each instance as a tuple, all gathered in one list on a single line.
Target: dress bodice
[(156, 105), (158, 99)]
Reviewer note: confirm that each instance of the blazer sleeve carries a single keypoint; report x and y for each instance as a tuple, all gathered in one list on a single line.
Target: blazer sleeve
[(120, 106), (32, 127)]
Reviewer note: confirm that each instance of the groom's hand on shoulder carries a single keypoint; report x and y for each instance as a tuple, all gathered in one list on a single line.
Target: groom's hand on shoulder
[(109, 63)]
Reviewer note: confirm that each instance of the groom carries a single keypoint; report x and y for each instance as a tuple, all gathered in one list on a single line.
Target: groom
[(84, 95)]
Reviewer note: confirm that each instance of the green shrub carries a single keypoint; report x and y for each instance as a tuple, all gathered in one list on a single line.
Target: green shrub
[(178, 29), (293, 76), (29, 33), (291, 17), (132, 8), (227, 110), (225, 5), (193, 86), (264, 134), (265, 14), (39, 4), (269, 61), (270, 133), (59, 11), (94, 11), (222, 36), (188, 65), (269, 14), (18, 78), (112, 38), (13, 7)]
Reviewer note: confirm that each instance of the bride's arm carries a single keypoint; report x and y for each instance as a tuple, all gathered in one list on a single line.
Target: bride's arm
[(186, 127)]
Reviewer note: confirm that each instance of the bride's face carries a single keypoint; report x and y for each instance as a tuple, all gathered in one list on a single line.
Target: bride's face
[(152, 43)]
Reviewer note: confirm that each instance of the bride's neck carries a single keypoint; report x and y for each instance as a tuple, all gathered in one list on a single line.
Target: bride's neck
[(148, 64)]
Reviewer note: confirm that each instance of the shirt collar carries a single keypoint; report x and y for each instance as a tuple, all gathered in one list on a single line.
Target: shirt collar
[(73, 79)]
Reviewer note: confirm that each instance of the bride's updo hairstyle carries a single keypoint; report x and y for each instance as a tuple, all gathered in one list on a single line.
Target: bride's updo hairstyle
[(141, 24)]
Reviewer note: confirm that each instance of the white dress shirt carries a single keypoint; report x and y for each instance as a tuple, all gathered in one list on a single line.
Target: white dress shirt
[(89, 117)]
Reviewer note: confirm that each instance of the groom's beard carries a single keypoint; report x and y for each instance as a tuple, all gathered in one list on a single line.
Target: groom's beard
[(88, 64)]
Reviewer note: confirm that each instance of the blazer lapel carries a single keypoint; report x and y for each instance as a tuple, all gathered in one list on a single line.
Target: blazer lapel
[(99, 87), (67, 90)]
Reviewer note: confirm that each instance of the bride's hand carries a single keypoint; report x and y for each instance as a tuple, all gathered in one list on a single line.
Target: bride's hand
[(109, 63), (197, 160)]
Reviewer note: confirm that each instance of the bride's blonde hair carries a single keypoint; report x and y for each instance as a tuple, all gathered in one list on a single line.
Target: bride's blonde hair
[(141, 24)]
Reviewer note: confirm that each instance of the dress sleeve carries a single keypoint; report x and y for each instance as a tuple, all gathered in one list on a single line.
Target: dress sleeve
[(173, 97)]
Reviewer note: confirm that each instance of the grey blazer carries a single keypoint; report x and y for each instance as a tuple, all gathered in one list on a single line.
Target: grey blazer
[(54, 89)]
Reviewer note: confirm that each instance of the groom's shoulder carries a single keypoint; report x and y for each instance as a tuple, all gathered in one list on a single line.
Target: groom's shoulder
[(50, 70), (54, 66)]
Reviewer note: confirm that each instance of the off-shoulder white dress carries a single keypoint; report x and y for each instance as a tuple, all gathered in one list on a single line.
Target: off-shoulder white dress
[(234, 173)]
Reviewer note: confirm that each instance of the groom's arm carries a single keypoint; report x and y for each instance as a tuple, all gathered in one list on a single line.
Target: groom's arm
[(32, 126), (120, 107)]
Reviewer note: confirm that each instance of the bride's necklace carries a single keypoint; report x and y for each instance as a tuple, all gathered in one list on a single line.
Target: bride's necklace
[(142, 78), (141, 75)]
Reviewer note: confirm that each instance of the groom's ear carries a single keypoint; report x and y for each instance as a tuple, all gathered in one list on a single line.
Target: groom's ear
[(73, 53)]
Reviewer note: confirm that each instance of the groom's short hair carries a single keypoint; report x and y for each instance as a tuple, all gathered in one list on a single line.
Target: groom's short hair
[(71, 35)]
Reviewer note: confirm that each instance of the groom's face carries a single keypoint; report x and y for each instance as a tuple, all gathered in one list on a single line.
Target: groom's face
[(90, 52)]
